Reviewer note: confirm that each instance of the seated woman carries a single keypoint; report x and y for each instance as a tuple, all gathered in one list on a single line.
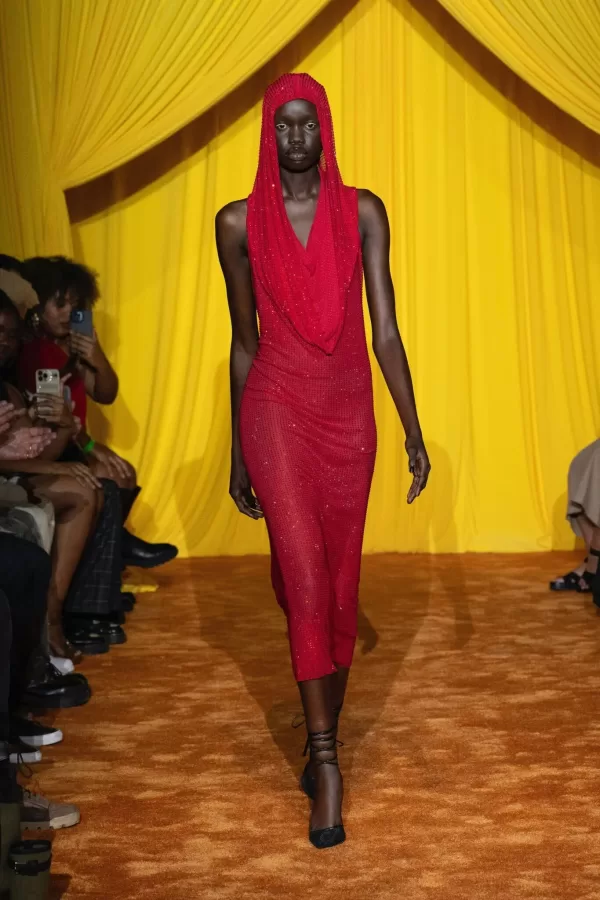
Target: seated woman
[(72, 489), (583, 513), (64, 286)]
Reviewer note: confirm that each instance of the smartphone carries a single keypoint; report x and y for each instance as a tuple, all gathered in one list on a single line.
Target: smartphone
[(82, 322), (47, 381)]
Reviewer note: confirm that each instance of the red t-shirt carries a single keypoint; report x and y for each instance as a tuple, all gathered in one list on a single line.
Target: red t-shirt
[(44, 354)]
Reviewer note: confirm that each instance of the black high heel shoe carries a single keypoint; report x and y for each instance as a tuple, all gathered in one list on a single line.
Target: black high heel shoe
[(324, 742), (307, 779)]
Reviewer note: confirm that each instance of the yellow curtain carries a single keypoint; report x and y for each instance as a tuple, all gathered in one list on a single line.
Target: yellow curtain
[(552, 44), (88, 84), (494, 201)]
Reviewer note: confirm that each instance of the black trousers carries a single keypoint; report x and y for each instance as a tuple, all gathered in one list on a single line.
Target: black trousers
[(96, 585), (25, 571)]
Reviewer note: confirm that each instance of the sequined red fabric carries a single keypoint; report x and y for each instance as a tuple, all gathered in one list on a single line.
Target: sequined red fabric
[(309, 289), (306, 424)]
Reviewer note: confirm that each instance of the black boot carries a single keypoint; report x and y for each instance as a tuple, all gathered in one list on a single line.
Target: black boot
[(137, 552), (128, 498)]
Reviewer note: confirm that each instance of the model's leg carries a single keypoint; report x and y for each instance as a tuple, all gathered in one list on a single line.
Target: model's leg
[(287, 485), (343, 524), (321, 724)]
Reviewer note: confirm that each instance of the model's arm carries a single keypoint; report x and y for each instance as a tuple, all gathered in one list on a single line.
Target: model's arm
[(387, 343), (233, 256)]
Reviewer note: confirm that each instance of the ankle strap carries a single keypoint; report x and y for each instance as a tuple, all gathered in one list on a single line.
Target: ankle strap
[(323, 742), (593, 552)]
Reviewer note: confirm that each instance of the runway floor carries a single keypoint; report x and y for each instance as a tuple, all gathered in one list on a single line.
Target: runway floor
[(471, 742)]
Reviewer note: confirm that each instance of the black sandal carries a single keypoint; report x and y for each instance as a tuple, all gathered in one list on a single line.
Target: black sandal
[(570, 582), (307, 779), (321, 742)]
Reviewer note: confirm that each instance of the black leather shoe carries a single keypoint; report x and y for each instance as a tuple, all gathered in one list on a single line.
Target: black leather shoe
[(128, 601), (108, 629), (144, 555), (90, 642), (119, 618), (56, 691)]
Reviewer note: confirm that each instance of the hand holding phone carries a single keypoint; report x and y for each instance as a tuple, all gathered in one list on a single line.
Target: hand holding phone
[(82, 322), (86, 349), (47, 381), (52, 403)]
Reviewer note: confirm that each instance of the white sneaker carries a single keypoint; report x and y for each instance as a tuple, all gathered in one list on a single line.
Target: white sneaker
[(24, 755), (39, 813), (34, 734), (64, 666)]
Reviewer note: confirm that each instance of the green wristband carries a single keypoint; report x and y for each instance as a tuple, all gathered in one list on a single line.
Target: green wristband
[(89, 447)]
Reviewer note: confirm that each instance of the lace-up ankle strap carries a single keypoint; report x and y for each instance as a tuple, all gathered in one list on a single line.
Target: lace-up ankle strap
[(323, 746)]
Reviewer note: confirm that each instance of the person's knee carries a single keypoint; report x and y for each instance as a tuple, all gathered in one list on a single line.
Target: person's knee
[(80, 495)]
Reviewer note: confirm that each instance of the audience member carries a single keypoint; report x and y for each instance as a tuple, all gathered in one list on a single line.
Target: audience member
[(25, 573), (64, 287), (583, 513), (64, 500), (71, 488), (15, 286)]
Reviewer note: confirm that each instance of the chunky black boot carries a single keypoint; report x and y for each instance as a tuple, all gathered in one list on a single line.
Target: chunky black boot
[(137, 552)]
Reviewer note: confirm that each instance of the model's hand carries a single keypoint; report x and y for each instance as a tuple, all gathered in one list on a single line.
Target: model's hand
[(240, 491), (418, 465)]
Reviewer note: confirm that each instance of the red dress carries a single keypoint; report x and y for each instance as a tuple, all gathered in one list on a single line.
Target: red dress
[(307, 425)]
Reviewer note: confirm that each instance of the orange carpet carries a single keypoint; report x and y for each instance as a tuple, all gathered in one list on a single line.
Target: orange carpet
[(471, 757)]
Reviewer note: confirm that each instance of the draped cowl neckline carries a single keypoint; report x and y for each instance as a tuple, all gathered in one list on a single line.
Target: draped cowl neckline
[(308, 284)]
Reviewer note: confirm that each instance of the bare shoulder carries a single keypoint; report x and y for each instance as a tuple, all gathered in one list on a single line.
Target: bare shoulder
[(372, 216), (371, 208), (231, 219)]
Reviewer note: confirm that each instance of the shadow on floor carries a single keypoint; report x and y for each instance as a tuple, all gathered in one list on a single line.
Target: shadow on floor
[(59, 885)]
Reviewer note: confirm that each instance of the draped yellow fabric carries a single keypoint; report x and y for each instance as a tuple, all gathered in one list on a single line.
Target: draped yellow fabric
[(88, 84), (552, 44), (494, 201)]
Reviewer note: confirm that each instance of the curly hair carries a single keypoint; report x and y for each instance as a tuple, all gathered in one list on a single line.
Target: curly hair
[(56, 275)]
